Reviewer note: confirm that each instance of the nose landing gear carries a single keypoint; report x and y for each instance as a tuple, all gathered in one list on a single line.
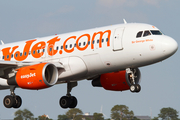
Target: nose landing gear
[(135, 87)]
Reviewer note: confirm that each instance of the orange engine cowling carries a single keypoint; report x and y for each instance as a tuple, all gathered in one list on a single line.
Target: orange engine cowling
[(116, 81), (37, 76)]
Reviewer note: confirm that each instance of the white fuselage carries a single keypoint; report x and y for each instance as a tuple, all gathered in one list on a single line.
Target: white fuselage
[(88, 53)]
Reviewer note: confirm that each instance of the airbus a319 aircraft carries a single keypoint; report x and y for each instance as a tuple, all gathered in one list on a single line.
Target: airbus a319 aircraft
[(109, 56)]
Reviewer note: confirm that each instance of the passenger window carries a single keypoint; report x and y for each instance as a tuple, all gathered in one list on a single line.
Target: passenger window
[(102, 40), (38, 51), (66, 46), (84, 43), (88, 42), (106, 39), (57, 48), (93, 41), (20, 54), (12, 56), (146, 33), (75, 45), (97, 41), (139, 34), (25, 53), (61, 47), (3, 57), (29, 52), (70, 45), (7, 56), (79, 44)]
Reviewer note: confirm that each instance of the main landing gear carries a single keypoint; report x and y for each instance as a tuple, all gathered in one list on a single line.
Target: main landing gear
[(12, 100), (69, 101), (134, 87)]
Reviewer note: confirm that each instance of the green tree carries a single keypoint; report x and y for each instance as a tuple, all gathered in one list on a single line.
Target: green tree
[(75, 114), (135, 118), (121, 112), (43, 117), (63, 117), (168, 114), (23, 115), (155, 118), (98, 116), (108, 119)]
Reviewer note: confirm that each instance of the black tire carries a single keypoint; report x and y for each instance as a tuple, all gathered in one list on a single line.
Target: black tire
[(64, 102), (133, 88), (18, 102), (138, 88), (9, 101), (73, 102)]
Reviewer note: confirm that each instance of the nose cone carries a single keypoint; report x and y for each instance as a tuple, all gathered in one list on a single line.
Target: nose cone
[(170, 46)]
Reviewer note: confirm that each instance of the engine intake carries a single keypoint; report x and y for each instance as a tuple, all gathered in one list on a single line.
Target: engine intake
[(37, 76)]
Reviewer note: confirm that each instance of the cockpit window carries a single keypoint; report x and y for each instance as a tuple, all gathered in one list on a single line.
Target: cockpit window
[(139, 34), (146, 33), (156, 32)]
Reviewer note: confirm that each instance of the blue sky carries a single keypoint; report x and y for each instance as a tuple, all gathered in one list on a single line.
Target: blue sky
[(22, 19)]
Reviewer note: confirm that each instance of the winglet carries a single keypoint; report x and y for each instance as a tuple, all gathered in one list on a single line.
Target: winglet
[(2, 42), (124, 21)]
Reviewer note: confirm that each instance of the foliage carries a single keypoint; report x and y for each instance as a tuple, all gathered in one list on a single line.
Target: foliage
[(43, 117), (108, 119), (168, 114), (135, 118), (98, 116), (23, 115), (121, 112), (63, 117), (75, 114), (155, 118)]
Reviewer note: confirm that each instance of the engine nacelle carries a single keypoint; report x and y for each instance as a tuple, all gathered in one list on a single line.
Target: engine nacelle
[(116, 81), (37, 76)]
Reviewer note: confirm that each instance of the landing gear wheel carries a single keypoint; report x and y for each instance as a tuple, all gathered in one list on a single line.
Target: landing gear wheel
[(65, 102), (9, 101), (73, 102), (18, 101), (138, 88), (133, 88)]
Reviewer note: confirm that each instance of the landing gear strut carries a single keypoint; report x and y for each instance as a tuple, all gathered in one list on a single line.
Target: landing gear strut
[(135, 87), (69, 101), (12, 100)]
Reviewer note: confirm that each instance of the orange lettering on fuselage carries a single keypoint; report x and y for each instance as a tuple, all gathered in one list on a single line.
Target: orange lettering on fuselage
[(37, 50), (7, 54), (38, 46), (100, 38), (64, 45), (22, 56), (51, 51), (85, 47)]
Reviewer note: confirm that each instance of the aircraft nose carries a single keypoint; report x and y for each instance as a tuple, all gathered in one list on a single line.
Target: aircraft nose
[(170, 46)]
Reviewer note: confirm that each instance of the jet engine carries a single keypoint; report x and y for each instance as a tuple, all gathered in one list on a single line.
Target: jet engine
[(37, 76), (117, 81)]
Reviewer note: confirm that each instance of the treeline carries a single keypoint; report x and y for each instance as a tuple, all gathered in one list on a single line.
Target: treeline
[(118, 112)]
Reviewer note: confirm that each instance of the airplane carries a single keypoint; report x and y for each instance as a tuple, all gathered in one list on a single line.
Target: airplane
[(110, 56)]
